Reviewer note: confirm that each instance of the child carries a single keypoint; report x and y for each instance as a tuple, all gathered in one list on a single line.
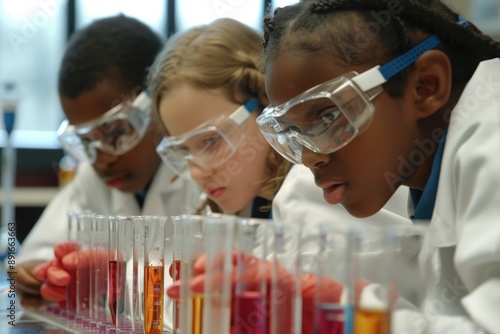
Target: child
[(105, 65), (210, 72), (208, 89), (429, 120)]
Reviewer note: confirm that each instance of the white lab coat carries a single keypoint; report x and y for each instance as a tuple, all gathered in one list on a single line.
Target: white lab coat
[(460, 257), (88, 192)]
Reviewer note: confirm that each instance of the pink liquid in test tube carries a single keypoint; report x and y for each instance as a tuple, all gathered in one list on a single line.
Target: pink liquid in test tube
[(330, 319), (251, 313)]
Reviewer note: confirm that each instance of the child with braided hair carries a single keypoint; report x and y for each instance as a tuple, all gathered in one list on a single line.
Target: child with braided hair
[(372, 95)]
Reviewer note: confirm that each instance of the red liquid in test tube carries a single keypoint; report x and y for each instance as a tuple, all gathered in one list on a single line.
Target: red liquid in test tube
[(115, 289), (176, 275), (71, 292), (251, 314)]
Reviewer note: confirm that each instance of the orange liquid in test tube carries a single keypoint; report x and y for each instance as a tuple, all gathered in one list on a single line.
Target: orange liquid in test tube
[(372, 321), (153, 299)]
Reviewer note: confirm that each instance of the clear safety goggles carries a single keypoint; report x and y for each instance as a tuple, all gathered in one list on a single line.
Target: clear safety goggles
[(115, 132), (209, 145), (329, 116)]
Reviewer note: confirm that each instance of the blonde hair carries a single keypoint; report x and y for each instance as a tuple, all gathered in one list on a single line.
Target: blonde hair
[(223, 54)]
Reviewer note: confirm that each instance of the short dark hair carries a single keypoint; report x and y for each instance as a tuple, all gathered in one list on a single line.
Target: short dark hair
[(118, 47)]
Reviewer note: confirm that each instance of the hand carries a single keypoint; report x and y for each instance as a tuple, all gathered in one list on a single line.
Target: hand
[(280, 297), (60, 272), (28, 285), (26, 281), (54, 274)]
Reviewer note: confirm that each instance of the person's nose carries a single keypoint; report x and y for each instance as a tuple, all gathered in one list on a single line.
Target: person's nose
[(311, 159), (104, 160), (198, 172)]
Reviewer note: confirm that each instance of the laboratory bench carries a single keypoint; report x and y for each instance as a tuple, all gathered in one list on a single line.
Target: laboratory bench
[(41, 322)]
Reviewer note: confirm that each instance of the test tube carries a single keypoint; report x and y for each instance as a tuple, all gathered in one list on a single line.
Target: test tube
[(219, 240), (71, 288), (176, 268), (154, 270), (373, 258), (189, 242), (100, 249), (250, 293), (123, 276), (115, 278), (285, 297), (83, 276), (333, 312)]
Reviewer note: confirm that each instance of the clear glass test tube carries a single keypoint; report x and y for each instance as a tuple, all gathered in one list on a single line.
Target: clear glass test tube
[(154, 271), (138, 269), (333, 310), (285, 296), (100, 265), (115, 275), (71, 288), (175, 269), (219, 240), (83, 271), (124, 300), (373, 258), (189, 242), (249, 300)]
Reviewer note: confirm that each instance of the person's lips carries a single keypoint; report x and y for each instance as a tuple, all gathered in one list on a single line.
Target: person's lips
[(116, 182), (215, 192), (333, 192)]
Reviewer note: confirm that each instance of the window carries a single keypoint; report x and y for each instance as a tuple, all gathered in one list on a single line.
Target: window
[(152, 12), (283, 3), (33, 40), (31, 46), (190, 13)]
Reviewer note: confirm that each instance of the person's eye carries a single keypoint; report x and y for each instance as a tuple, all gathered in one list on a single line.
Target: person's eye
[(210, 141), (115, 135), (329, 116)]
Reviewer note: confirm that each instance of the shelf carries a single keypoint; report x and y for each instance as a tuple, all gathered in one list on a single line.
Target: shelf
[(32, 196)]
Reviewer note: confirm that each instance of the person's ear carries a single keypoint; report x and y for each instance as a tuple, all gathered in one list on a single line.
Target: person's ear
[(431, 82)]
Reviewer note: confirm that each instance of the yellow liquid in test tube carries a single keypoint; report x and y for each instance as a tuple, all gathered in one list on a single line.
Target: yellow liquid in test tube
[(197, 314), (372, 321), (153, 299)]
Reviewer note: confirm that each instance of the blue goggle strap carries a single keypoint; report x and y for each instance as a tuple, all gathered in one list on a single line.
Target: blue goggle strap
[(241, 114), (381, 74)]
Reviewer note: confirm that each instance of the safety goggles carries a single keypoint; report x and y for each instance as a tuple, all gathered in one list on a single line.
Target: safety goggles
[(115, 132), (329, 116), (209, 145)]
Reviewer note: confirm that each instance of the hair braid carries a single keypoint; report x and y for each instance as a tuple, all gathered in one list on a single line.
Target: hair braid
[(268, 29), (375, 31), (431, 16)]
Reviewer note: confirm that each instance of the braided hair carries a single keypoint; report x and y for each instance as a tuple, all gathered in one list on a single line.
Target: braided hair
[(375, 31), (118, 47)]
